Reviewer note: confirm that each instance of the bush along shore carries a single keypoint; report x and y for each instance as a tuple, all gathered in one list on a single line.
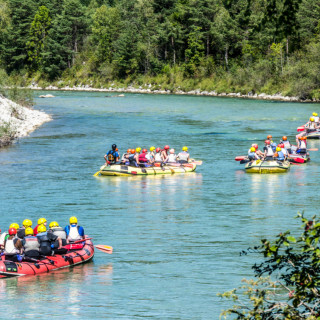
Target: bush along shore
[(18, 121)]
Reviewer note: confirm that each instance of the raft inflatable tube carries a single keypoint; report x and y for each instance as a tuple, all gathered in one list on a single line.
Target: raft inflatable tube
[(260, 166), (71, 258), (313, 135), (123, 170), (292, 157)]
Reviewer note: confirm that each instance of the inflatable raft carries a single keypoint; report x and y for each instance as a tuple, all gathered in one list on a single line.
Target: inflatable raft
[(71, 258), (122, 170), (305, 158), (260, 166)]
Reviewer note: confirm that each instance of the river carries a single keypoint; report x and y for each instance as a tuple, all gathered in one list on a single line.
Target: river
[(176, 238)]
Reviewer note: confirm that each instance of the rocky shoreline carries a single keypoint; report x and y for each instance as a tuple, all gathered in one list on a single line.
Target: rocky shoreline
[(148, 89), (17, 121)]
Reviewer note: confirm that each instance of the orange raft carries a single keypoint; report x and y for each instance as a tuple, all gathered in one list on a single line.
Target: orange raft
[(55, 262)]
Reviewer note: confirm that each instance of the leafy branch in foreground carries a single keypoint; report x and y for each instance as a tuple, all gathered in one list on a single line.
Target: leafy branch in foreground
[(287, 281)]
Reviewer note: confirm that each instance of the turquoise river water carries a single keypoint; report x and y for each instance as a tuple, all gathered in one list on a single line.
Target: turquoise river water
[(176, 238)]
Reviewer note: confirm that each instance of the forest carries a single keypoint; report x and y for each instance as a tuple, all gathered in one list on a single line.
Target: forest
[(270, 46)]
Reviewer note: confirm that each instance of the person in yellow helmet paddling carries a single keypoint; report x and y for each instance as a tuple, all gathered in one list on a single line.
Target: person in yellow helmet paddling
[(21, 231), (31, 244), (47, 240), (184, 156), (73, 230), (40, 222)]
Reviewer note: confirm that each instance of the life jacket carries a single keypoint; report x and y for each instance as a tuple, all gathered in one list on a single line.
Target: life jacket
[(45, 243), (2, 238), (312, 125), (316, 119), (31, 243), (21, 233), (73, 233), (111, 156), (172, 158), (284, 151), (183, 156), (302, 145), (143, 158), (280, 156), (252, 155), (149, 156), (274, 146), (9, 248), (286, 144), (158, 157), (59, 232), (270, 151)]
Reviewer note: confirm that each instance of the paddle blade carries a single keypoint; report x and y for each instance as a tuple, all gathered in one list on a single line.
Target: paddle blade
[(97, 173), (314, 149), (104, 248), (299, 160), (198, 162), (239, 158), (299, 129)]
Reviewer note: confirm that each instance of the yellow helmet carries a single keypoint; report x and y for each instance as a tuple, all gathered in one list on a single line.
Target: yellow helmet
[(42, 228), (27, 223), (53, 224), (278, 149), (185, 148), (312, 119), (152, 148), (42, 221), (138, 149), (253, 149), (315, 114), (14, 225), (29, 231), (73, 220)]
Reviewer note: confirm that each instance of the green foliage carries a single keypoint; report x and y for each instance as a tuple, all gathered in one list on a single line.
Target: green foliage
[(294, 264)]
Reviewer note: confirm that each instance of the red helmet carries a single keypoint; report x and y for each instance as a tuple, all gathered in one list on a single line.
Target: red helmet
[(284, 138), (12, 231), (166, 147), (281, 145), (267, 142), (133, 151), (256, 146), (144, 150), (158, 150)]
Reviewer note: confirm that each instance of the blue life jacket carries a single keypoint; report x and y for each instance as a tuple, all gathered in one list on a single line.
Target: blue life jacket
[(252, 155), (280, 156), (274, 146)]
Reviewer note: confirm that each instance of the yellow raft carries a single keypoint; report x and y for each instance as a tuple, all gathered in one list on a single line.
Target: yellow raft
[(123, 170), (260, 166)]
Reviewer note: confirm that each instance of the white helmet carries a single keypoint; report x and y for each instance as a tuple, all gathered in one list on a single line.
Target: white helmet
[(171, 151)]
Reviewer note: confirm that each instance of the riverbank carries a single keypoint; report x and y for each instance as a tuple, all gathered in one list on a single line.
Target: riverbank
[(17, 121), (149, 89)]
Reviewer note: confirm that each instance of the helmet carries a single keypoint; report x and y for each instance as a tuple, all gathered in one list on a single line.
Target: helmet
[(312, 119), (269, 137), (304, 138), (172, 151), (267, 142), (42, 221), (27, 223), (252, 149), (300, 138), (12, 231), (114, 147), (166, 147), (284, 138), (129, 150), (158, 149), (132, 151), (152, 148), (14, 225), (255, 146), (144, 150), (28, 231), (73, 220), (42, 228), (281, 145), (185, 148), (53, 224), (278, 149), (315, 114), (138, 149)]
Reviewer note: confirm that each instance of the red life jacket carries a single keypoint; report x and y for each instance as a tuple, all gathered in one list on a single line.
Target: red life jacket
[(142, 158)]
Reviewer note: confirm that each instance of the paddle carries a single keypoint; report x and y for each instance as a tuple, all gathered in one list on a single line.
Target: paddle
[(97, 173), (104, 248), (314, 149), (78, 241), (239, 158), (299, 129)]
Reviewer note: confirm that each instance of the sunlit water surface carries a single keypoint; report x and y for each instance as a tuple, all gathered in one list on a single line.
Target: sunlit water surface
[(176, 238)]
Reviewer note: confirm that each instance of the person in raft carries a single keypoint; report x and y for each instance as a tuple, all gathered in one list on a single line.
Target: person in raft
[(21, 231), (46, 240), (4, 236), (31, 244), (74, 231), (278, 155), (183, 157), (125, 157), (268, 152), (172, 157), (112, 156), (302, 145), (12, 246), (40, 222), (165, 153), (60, 233), (143, 159)]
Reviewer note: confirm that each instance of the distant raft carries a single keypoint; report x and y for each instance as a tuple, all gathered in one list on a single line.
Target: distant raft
[(260, 166), (123, 170), (313, 135)]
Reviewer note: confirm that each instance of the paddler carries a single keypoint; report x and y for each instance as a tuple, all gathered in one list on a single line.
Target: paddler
[(269, 137), (125, 157), (40, 222), (165, 153), (316, 117), (60, 233), (268, 152), (302, 145), (172, 157), (286, 143), (21, 231), (5, 235), (74, 231), (252, 154), (279, 154), (132, 160), (31, 244), (158, 157), (311, 126), (259, 154), (150, 155), (47, 240), (183, 157), (143, 160), (283, 150), (112, 156), (12, 246)]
